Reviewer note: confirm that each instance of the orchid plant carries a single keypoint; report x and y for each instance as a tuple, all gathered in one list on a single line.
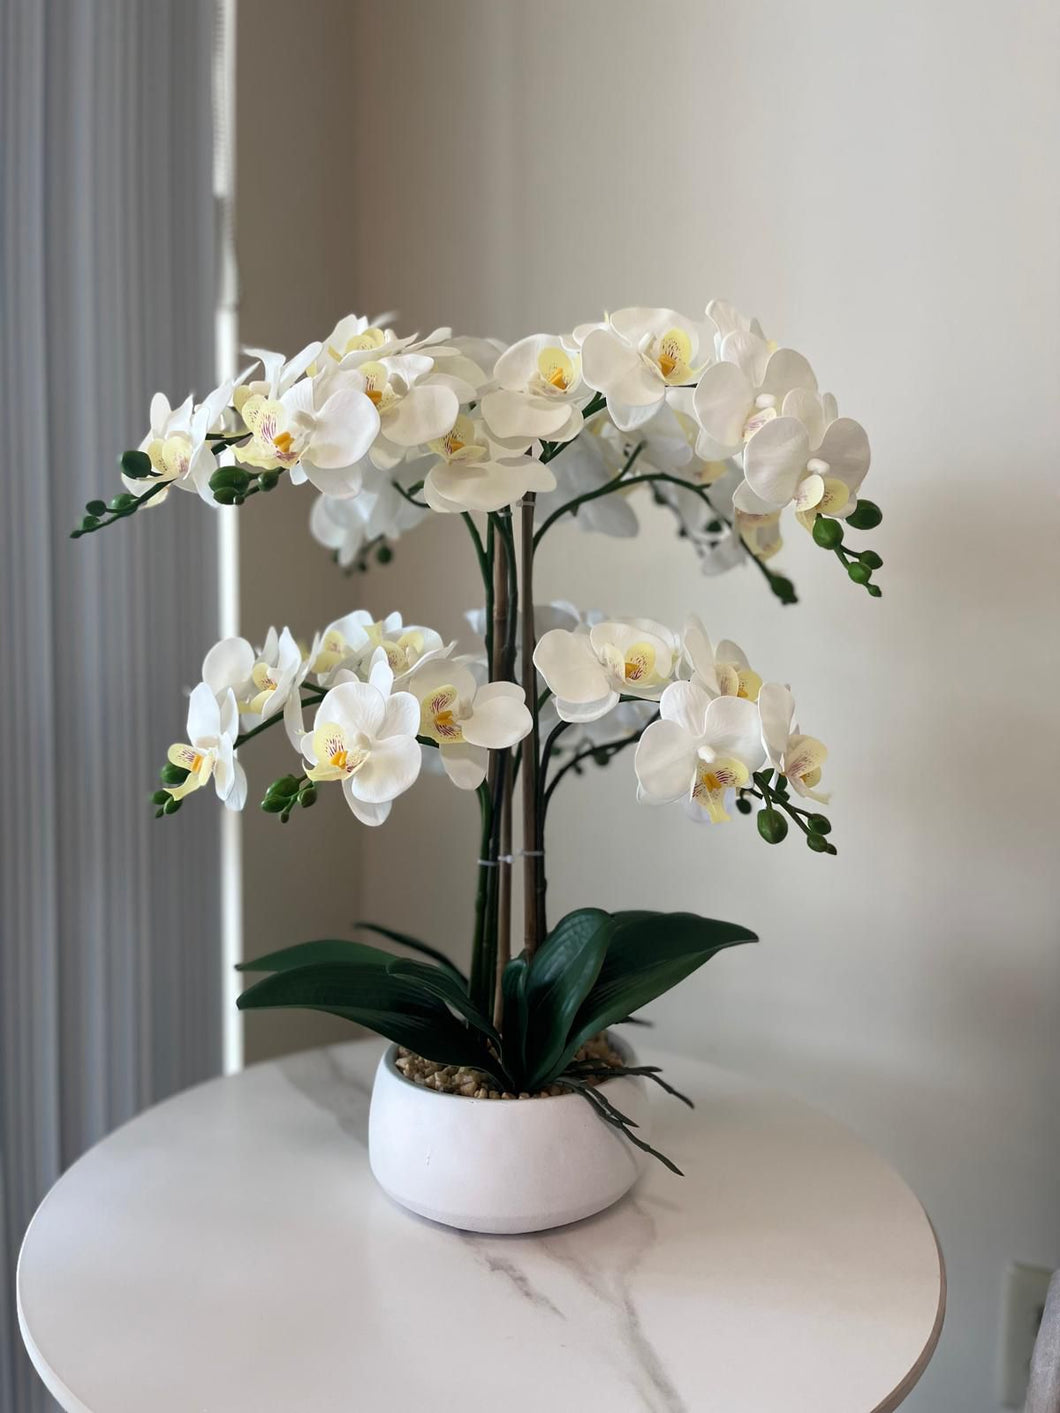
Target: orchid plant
[(709, 418)]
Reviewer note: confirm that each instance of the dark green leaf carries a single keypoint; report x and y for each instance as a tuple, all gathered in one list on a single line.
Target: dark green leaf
[(330, 950), (416, 945), (442, 984), (647, 954), (513, 991), (561, 975), (397, 1007)]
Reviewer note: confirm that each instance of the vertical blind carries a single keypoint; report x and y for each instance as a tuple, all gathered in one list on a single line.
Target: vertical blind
[(109, 930)]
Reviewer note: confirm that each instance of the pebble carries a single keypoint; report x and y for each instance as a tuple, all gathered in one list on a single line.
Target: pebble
[(473, 1084)]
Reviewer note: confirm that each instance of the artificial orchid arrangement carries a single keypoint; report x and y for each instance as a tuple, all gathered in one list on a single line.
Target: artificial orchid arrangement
[(707, 416)]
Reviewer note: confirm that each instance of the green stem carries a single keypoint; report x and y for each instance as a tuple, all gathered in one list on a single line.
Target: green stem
[(606, 748), (409, 494), (115, 515), (613, 485), (476, 987), (246, 736)]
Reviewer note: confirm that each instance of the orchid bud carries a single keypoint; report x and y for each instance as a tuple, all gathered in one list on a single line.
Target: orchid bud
[(866, 515), (136, 465), (827, 533), (772, 826)]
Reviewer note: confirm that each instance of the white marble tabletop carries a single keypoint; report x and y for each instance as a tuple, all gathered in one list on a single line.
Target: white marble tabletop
[(229, 1252)]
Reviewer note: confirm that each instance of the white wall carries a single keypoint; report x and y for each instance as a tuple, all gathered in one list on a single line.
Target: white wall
[(878, 182)]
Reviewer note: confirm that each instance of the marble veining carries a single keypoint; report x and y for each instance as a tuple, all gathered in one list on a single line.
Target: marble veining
[(230, 1251)]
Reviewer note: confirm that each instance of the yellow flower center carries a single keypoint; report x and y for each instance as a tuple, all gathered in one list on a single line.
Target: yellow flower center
[(713, 779), (639, 665), (337, 757), (672, 355), (438, 718), (556, 369), (283, 441)]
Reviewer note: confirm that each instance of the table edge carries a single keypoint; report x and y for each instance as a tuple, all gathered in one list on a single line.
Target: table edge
[(901, 1392)]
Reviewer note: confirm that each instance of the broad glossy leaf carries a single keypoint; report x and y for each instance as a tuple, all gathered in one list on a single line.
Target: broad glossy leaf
[(395, 1006), (647, 954), (446, 987), (561, 975), (513, 991), (328, 949), (416, 945)]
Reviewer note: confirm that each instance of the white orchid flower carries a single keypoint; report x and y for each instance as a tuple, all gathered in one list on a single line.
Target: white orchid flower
[(537, 383), (177, 444), (802, 458), (471, 474), (639, 355), (728, 319), (261, 681), (347, 525), (794, 755), (279, 374), (356, 340), (365, 736), (209, 752), (416, 403), (699, 750), (721, 671), (350, 644), (587, 672), (466, 719), (744, 390), (318, 429)]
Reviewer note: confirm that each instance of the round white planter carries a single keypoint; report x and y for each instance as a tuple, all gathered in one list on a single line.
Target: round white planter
[(495, 1165)]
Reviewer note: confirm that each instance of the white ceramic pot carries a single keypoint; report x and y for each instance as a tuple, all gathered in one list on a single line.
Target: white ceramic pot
[(496, 1165)]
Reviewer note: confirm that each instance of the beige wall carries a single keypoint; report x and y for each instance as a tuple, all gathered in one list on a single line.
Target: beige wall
[(878, 182), (294, 236)]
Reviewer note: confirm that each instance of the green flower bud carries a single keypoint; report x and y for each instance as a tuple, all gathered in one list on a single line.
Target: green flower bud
[(783, 588), (743, 804), (160, 797), (96, 507), (171, 774), (772, 826), (159, 814), (227, 495), (871, 558), (860, 573), (123, 501), (827, 533), (285, 787), (268, 480), (171, 805), (233, 476), (818, 843), (136, 465), (285, 816), (307, 797), (273, 804), (865, 516), (875, 591), (820, 823), (384, 554), (91, 522)]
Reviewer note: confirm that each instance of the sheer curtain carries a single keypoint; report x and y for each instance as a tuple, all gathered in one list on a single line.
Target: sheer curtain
[(109, 920)]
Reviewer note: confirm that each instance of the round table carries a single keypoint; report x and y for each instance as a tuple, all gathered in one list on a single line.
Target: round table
[(228, 1252)]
